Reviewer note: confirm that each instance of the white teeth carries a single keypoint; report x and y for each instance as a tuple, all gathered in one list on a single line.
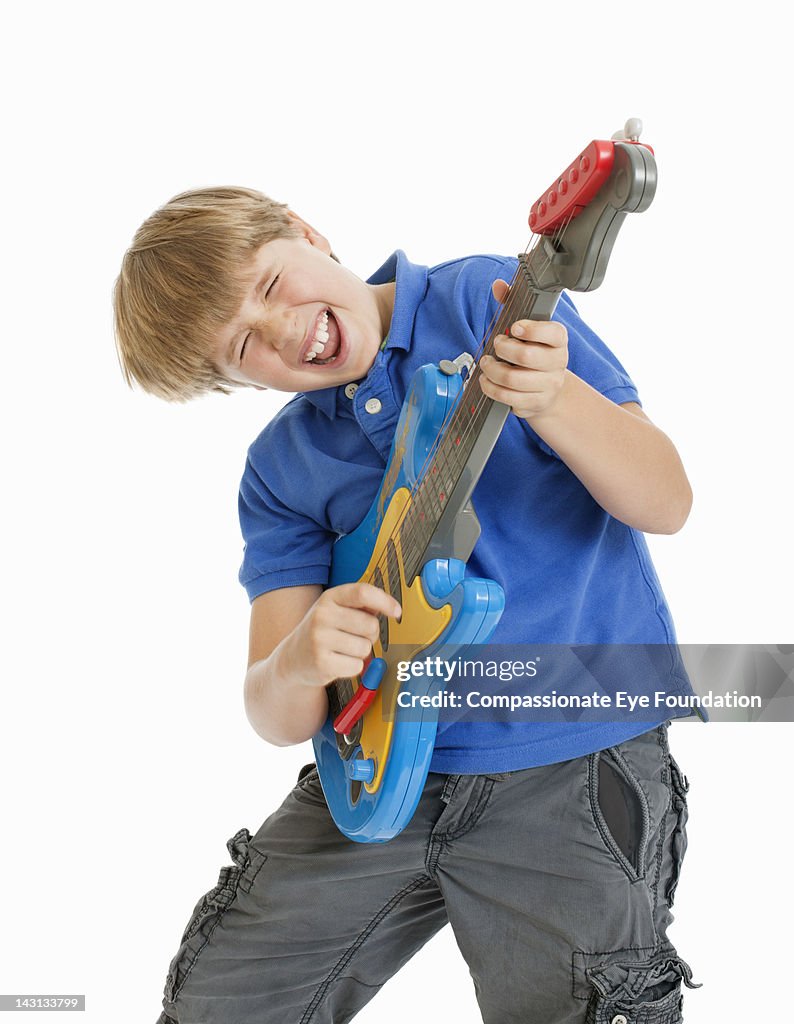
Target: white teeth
[(321, 337), (321, 331)]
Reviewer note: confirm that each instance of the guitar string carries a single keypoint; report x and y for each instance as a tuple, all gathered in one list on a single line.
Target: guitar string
[(343, 688), (437, 453), (436, 483), (504, 314)]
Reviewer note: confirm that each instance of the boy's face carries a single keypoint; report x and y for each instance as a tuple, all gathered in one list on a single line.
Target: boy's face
[(305, 322)]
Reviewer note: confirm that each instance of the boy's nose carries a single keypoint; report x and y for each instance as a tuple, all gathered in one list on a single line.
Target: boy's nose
[(284, 331)]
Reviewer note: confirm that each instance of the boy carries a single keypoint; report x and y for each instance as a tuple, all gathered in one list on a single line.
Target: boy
[(553, 850)]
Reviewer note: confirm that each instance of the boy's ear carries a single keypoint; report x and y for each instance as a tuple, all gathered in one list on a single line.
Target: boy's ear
[(309, 233)]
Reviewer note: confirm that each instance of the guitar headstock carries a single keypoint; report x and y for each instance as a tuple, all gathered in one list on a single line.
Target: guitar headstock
[(580, 214), (572, 191)]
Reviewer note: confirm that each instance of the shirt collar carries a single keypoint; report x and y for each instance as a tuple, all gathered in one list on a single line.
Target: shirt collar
[(411, 285)]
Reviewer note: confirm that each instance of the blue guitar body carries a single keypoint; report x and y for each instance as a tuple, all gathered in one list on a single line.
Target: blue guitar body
[(466, 609)]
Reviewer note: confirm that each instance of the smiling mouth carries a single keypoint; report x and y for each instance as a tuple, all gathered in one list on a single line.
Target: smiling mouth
[(327, 342)]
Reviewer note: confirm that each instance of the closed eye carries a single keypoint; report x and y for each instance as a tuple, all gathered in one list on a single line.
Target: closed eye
[(247, 338)]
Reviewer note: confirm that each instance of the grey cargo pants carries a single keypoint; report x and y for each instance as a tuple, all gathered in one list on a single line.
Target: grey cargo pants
[(557, 882)]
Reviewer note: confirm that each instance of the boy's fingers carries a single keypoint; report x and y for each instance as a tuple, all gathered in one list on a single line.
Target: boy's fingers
[(351, 646), (500, 290), (517, 378), (525, 353), (359, 623), (343, 666), (365, 595), (543, 332)]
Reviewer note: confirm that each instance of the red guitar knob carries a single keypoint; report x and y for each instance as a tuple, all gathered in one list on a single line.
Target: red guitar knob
[(362, 698)]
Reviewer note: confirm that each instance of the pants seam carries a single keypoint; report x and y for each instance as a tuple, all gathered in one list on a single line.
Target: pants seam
[(661, 739), (449, 788), (440, 841), (223, 909), (348, 955), (475, 815), (434, 850)]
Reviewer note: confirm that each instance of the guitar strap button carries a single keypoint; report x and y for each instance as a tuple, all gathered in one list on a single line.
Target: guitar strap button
[(452, 366)]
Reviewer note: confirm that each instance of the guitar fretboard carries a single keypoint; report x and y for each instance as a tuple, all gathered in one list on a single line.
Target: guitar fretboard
[(453, 450)]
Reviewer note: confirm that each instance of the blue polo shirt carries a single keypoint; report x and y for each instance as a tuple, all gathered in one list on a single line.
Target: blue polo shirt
[(572, 574)]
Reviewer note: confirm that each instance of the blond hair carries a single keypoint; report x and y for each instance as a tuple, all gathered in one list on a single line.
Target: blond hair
[(182, 279)]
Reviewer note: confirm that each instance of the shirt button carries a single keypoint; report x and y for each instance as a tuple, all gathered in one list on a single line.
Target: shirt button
[(373, 405), (619, 1019), (351, 389)]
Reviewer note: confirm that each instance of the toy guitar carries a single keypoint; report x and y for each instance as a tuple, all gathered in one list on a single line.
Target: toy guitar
[(415, 540)]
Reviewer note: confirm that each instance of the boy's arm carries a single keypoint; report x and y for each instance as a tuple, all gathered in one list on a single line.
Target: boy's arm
[(301, 639), (629, 466)]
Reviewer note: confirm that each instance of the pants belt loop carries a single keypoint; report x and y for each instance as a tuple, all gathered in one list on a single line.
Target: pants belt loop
[(449, 788)]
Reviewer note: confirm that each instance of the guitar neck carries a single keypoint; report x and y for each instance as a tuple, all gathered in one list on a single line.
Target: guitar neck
[(466, 442)]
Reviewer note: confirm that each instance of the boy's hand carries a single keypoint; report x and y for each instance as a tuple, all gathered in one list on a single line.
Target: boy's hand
[(337, 633), (535, 356)]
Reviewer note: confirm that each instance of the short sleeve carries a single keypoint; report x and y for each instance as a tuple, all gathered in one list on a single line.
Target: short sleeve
[(590, 359), (283, 547)]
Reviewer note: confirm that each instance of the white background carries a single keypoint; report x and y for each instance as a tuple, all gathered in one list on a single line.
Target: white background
[(127, 760)]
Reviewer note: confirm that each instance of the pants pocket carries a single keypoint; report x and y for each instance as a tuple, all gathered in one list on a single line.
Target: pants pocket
[(620, 810), (679, 787), (208, 913), (627, 991)]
